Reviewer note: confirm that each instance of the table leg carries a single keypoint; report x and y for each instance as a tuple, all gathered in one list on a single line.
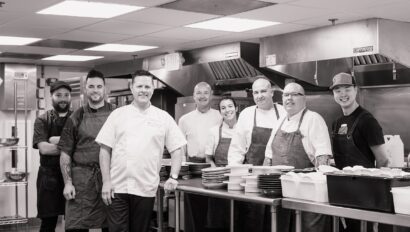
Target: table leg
[(177, 206), (232, 213), (160, 208), (363, 226), (274, 217), (298, 221), (335, 224)]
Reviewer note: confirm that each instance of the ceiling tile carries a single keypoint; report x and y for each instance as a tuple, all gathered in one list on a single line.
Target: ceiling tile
[(24, 6), (7, 16), (40, 50), (324, 19), (342, 5), (188, 33), (154, 41), (26, 31), (123, 27), (166, 16), (395, 11), (282, 13), (146, 3), (92, 36), (280, 29)]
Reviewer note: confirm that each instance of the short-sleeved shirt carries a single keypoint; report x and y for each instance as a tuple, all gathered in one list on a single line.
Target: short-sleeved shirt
[(137, 139), (243, 133), (213, 137), (315, 134), (368, 131), (48, 125), (195, 126)]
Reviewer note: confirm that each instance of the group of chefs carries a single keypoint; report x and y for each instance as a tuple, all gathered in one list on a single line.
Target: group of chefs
[(99, 166)]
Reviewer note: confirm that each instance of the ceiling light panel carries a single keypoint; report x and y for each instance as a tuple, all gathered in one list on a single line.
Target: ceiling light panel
[(232, 24), (12, 40), (72, 58), (120, 48), (89, 9)]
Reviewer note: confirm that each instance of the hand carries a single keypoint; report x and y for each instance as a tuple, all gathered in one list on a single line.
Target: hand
[(107, 193), (54, 140), (267, 162), (170, 185), (69, 191), (322, 160)]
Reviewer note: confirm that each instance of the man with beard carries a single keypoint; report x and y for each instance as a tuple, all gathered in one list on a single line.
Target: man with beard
[(79, 159), (195, 127), (248, 146), (47, 130), (301, 139)]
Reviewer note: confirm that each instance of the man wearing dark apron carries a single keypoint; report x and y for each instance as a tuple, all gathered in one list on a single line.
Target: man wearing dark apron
[(217, 154), (195, 126), (80, 159), (301, 140), (248, 146), (47, 130), (357, 135)]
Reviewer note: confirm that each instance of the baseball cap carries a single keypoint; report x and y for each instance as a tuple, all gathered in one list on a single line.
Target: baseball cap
[(342, 79), (58, 85)]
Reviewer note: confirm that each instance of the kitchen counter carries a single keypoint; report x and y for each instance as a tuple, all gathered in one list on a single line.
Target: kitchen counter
[(195, 186), (338, 211)]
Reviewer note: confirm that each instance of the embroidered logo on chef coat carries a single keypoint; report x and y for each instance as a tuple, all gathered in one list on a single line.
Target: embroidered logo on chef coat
[(343, 129)]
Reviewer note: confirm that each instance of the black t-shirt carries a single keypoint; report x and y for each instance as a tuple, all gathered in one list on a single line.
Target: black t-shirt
[(48, 125), (368, 131)]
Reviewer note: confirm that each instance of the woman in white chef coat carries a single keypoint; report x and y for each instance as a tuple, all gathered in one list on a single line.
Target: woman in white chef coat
[(216, 153)]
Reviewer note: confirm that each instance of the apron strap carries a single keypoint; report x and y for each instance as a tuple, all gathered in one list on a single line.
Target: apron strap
[(301, 118), (276, 112), (350, 132)]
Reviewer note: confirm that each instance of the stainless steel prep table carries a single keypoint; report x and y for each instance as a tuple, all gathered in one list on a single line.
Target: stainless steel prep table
[(338, 211), (195, 186)]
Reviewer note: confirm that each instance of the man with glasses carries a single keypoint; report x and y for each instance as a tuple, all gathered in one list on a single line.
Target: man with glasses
[(301, 139)]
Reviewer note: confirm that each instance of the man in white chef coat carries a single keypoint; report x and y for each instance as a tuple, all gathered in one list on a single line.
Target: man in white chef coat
[(195, 126), (301, 139), (132, 143), (248, 145)]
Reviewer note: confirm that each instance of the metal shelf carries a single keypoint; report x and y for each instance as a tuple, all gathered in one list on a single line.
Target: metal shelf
[(13, 147), (12, 183), (8, 220)]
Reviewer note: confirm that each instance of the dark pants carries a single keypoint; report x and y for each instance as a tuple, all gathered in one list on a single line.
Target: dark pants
[(252, 217), (129, 213), (48, 224), (196, 209), (85, 230)]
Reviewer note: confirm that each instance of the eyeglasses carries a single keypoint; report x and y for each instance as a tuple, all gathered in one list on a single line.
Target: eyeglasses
[(292, 94)]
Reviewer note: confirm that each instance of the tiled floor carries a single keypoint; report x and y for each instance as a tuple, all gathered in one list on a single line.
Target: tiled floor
[(34, 226)]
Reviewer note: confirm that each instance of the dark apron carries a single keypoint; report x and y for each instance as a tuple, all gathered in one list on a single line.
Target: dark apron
[(287, 149), (254, 217), (218, 209), (345, 151), (50, 182), (87, 210), (259, 140)]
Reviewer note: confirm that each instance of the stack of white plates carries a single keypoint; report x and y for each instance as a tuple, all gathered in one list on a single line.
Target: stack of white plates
[(251, 184), (214, 177)]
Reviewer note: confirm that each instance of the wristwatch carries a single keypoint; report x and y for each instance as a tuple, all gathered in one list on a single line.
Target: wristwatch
[(173, 176)]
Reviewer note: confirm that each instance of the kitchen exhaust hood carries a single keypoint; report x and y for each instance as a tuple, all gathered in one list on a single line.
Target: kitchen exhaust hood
[(375, 50)]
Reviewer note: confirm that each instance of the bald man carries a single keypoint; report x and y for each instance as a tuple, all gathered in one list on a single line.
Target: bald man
[(248, 146), (195, 126), (301, 139)]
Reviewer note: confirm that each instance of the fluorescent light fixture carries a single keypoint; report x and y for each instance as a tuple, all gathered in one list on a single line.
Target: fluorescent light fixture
[(89, 9), (12, 40), (72, 58), (232, 24), (120, 48)]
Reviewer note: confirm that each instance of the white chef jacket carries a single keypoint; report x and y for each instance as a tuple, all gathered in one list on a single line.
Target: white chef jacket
[(195, 126), (137, 139), (243, 132), (315, 140), (213, 137)]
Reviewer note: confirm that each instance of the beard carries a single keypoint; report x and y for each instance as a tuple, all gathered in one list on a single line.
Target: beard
[(96, 100), (59, 108)]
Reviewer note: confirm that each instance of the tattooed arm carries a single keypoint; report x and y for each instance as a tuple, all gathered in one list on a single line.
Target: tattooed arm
[(65, 166)]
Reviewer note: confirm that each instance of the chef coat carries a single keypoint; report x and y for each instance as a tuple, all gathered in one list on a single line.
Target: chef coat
[(137, 139), (213, 137), (315, 140), (243, 132), (195, 126)]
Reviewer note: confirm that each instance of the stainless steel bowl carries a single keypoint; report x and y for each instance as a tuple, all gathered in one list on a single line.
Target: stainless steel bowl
[(15, 176), (6, 142)]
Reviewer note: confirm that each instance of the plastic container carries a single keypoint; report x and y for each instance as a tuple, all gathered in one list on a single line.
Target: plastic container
[(295, 186), (401, 199), (364, 192)]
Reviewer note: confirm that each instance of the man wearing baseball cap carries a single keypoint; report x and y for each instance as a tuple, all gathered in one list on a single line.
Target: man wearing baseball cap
[(357, 136), (47, 130)]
